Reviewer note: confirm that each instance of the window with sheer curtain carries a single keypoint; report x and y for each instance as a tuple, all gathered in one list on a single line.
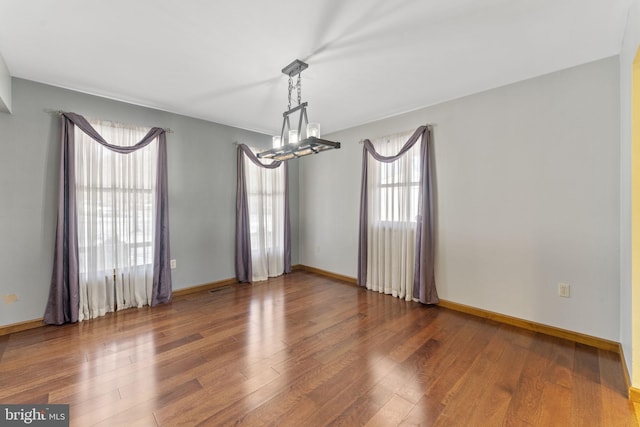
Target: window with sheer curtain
[(116, 196), (393, 191), (266, 206)]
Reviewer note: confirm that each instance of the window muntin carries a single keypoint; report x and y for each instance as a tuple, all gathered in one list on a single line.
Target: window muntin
[(394, 187)]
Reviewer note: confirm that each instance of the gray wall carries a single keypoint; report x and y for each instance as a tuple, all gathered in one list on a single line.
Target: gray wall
[(5, 87), (527, 180), (202, 167)]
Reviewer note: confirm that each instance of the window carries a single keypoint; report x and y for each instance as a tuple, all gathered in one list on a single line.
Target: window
[(393, 192), (116, 196), (398, 188), (396, 244), (265, 194), (266, 206), (76, 292), (394, 187)]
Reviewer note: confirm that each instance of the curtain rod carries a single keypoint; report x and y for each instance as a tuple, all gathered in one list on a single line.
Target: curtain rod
[(429, 126), (60, 112)]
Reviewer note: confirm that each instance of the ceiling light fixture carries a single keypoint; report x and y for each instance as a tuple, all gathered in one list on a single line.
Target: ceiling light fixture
[(293, 146)]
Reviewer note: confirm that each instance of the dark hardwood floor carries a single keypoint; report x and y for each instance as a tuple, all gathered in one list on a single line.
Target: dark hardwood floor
[(304, 350)]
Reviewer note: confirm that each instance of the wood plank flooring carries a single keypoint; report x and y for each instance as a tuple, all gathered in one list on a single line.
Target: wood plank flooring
[(304, 350)]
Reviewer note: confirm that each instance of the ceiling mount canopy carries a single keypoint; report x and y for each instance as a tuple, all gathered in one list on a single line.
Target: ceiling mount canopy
[(289, 144)]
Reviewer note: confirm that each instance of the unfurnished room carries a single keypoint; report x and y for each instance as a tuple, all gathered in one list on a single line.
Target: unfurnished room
[(320, 213)]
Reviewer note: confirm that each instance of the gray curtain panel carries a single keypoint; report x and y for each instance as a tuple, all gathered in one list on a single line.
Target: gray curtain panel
[(424, 282), (244, 272), (63, 303)]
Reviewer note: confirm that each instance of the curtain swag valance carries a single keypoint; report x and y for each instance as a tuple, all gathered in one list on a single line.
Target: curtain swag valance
[(244, 271), (63, 302), (424, 287)]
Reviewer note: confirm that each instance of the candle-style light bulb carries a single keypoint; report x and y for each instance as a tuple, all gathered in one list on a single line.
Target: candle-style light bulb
[(293, 136), (313, 129)]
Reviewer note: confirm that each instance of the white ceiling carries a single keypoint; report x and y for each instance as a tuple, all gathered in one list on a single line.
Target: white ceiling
[(368, 59)]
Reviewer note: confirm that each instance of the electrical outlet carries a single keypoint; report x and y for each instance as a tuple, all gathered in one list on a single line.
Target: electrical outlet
[(564, 290), (173, 264)]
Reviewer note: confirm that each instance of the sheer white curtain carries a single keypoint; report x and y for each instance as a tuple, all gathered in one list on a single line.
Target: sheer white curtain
[(265, 200), (393, 190), (115, 207)]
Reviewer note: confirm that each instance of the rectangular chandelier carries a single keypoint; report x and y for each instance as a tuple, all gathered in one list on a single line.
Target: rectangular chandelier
[(289, 144)]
